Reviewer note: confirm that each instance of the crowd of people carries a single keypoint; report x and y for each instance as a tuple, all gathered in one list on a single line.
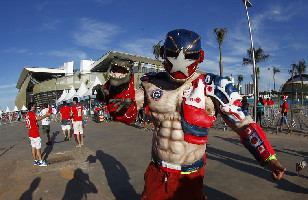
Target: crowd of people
[(71, 118), (261, 105), (68, 116)]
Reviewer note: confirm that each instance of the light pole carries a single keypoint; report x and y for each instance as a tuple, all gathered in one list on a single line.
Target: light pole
[(90, 97), (56, 77), (248, 4), (269, 80)]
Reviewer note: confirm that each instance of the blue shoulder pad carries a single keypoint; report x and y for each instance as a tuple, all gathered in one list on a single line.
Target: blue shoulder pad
[(148, 76)]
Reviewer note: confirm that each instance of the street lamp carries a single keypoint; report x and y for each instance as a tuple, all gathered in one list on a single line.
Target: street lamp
[(248, 4), (56, 77), (90, 97), (269, 80)]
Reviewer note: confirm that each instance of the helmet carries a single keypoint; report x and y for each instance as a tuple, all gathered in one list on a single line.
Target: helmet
[(182, 53)]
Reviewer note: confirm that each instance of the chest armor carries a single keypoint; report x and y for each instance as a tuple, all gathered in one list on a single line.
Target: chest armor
[(195, 121)]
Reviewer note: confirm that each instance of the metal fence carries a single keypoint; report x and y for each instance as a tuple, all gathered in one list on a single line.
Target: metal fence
[(297, 118), (271, 119)]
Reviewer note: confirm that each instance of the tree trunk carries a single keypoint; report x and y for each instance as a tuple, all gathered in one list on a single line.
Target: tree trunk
[(221, 67), (257, 86), (220, 62), (302, 89), (274, 83)]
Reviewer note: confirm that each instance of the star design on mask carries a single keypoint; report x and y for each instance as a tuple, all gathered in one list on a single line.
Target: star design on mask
[(180, 64)]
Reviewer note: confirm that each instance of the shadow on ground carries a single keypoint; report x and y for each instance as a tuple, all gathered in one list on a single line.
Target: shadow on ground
[(117, 176), (232, 160), (79, 186), (27, 195), (49, 148)]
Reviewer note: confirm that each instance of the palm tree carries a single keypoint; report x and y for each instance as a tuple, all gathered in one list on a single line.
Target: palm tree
[(220, 36), (275, 70), (292, 72), (259, 57), (156, 52), (300, 69), (240, 78)]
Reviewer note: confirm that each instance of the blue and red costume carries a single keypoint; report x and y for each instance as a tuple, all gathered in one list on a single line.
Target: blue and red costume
[(125, 115)]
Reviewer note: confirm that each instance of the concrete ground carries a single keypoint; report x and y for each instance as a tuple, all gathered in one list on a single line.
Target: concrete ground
[(115, 156)]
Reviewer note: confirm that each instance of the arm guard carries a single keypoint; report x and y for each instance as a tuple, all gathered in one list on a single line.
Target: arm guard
[(255, 140), (229, 99)]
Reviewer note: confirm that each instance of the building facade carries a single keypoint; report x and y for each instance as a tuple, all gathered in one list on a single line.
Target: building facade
[(249, 89), (46, 85)]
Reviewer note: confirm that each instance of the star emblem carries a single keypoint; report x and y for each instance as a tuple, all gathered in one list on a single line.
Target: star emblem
[(180, 64)]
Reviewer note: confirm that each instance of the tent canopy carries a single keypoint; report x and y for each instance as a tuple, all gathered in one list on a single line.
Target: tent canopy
[(23, 108), (96, 82), (62, 97), (81, 91), (7, 110), (70, 94), (15, 109)]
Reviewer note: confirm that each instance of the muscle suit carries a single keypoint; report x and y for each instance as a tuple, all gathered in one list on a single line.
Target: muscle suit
[(183, 106)]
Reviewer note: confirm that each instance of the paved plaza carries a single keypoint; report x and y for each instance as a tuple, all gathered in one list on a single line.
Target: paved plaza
[(115, 156)]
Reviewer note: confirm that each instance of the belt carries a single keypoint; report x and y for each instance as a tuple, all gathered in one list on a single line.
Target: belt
[(182, 169)]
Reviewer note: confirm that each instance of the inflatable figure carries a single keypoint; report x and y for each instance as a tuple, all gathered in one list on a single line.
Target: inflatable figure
[(183, 105), (118, 92)]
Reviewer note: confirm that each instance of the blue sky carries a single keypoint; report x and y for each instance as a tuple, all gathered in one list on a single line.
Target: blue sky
[(45, 33)]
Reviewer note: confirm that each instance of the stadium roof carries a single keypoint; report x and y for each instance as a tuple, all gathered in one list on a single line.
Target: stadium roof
[(102, 64), (41, 74)]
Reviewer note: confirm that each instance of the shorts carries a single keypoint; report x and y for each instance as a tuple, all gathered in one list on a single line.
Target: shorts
[(160, 184), (283, 119), (147, 118), (66, 122), (46, 128), (77, 125), (35, 142), (66, 127)]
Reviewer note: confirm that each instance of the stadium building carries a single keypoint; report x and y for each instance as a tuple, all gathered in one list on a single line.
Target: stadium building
[(48, 85), (294, 87)]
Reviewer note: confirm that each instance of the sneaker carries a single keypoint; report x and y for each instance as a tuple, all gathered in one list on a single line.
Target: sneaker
[(65, 139), (43, 163), (35, 162), (78, 145), (48, 143), (300, 166)]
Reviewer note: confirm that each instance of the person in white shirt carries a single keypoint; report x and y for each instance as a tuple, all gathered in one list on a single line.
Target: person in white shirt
[(46, 123)]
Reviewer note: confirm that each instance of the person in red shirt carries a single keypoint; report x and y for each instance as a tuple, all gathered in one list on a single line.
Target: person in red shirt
[(284, 111), (147, 118), (76, 113), (65, 111), (34, 134)]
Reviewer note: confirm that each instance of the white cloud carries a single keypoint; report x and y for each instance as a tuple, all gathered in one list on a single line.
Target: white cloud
[(7, 95), (95, 34), (69, 54), (41, 5), (7, 86), (17, 50), (7, 101), (143, 47), (51, 25)]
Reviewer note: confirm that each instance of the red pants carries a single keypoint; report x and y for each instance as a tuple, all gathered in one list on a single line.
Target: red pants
[(160, 185)]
